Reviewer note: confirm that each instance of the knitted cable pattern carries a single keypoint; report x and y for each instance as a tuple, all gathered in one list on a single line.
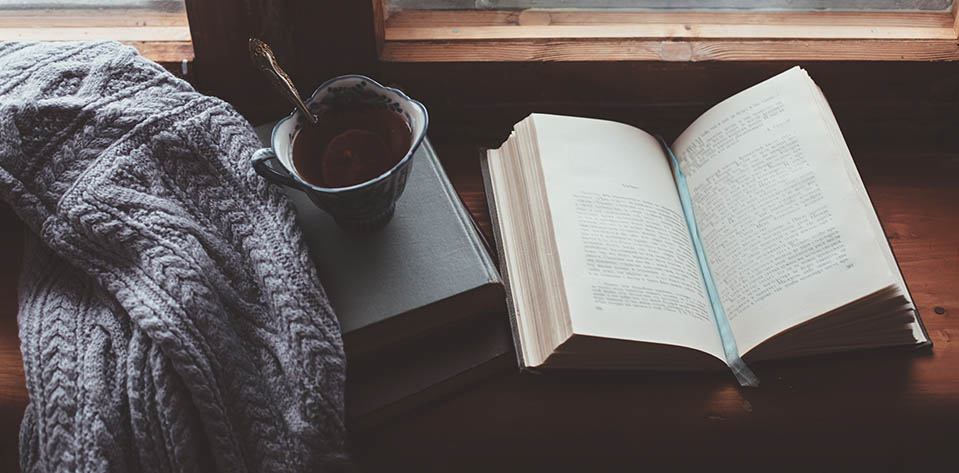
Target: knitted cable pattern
[(170, 317)]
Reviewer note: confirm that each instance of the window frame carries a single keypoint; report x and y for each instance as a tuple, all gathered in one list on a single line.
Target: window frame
[(563, 35), (163, 37)]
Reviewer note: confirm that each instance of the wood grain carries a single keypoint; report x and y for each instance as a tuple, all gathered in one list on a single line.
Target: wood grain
[(165, 51), (379, 24), (467, 25), (140, 33), (955, 15), (569, 17), (311, 28), (13, 390), (669, 50), (873, 410), (894, 411), (157, 35), (86, 18), (910, 105), (888, 408), (569, 35), (640, 83)]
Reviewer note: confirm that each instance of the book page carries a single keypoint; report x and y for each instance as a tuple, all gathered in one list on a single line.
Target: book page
[(784, 230), (628, 263), (833, 127)]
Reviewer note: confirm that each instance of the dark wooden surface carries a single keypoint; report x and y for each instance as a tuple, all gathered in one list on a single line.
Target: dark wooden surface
[(886, 410), (880, 411), (878, 104)]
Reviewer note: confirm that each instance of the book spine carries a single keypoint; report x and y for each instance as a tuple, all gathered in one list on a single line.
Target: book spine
[(469, 226), (498, 238)]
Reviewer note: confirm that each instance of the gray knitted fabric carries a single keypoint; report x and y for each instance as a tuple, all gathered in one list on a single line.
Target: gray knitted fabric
[(170, 317)]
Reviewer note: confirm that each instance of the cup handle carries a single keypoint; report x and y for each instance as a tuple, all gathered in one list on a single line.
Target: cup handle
[(260, 159)]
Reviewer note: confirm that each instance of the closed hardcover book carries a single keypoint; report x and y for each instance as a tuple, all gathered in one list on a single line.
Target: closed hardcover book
[(419, 297)]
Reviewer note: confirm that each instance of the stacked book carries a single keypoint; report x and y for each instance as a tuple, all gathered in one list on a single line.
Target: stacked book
[(420, 303)]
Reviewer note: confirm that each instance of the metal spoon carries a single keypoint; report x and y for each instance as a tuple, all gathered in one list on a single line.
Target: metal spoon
[(263, 58)]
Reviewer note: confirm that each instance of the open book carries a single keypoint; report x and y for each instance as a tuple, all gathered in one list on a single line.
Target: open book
[(751, 237)]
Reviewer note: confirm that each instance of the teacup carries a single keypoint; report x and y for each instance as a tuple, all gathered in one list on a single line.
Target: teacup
[(368, 205)]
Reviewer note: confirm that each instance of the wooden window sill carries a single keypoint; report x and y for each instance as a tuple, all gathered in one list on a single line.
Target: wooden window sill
[(536, 35), (159, 36)]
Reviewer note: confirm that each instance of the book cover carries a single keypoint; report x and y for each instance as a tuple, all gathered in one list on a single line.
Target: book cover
[(420, 302)]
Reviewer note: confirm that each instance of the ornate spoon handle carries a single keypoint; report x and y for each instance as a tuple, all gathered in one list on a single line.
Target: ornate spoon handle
[(263, 59)]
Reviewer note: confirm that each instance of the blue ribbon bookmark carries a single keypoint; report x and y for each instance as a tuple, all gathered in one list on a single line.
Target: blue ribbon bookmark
[(742, 372)]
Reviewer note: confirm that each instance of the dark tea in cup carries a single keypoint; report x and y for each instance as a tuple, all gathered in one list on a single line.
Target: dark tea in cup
[(355, 163), (350, 146)]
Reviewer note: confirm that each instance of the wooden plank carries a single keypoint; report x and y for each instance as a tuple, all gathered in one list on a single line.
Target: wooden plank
[(95, 17), (910, 105), (429, 25), (536, 35), (137, 33), (955, 17), (12, 384), (666, 84), (860, 404), (379, 24), (13, 388), (477, 18), (925, 127), (657, 50), (165, 51), (160, 36), (840, 405), (174, 51), (673, 31)]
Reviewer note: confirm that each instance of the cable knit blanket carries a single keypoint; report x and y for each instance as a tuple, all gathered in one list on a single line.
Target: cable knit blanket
[(170, 317)]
